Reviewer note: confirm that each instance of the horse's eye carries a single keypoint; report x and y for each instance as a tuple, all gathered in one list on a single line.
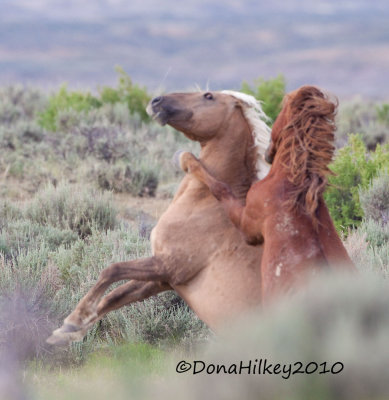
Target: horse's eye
[(208, 96)]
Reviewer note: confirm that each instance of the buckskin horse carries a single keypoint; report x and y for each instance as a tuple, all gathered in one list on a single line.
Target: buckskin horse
[(286, 209), (197, 251)]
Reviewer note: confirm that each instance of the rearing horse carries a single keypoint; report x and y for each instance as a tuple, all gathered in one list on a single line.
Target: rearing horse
[(286, 210), (196, 249)]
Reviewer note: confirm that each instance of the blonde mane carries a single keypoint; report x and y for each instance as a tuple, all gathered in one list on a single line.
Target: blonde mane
[(260, 130)]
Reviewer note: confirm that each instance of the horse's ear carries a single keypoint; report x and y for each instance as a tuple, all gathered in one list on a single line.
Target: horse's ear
[(238, 103), (312, 92), (304, 95)]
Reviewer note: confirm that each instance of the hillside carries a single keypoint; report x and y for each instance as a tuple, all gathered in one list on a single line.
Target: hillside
[(343, 46)]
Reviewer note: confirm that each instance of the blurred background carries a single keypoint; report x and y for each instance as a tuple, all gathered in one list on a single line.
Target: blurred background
[(342, 46)]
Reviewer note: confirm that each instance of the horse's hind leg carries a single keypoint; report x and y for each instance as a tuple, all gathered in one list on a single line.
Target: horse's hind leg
[(146, 269), (127, 293)]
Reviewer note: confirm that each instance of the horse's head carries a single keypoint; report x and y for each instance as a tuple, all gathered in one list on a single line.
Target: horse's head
[(199, 115), (302, 145), (301, 109), (229, 125)]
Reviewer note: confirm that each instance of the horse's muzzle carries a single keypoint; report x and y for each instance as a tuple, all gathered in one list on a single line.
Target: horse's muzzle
[(155, 110), (153, 104), (156, 100), (167, 110)]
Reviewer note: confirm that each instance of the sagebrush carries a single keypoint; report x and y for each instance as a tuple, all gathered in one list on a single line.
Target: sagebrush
[(52, 251)]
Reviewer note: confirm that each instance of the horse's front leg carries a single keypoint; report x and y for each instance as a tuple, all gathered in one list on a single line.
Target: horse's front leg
[(147, 269), (234, 207), (127, 293), (190, 164)]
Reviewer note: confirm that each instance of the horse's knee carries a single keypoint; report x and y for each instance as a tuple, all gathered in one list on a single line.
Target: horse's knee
[(221, 190), (189, 163), (254, 240)]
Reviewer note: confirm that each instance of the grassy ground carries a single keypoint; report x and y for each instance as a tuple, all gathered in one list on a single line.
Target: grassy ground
[(122, 370), (337, 329)]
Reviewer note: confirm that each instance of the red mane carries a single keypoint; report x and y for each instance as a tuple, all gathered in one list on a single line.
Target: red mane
[(305, 147)]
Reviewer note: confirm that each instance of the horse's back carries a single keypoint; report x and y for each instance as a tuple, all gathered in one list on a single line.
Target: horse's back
[(296, 230), (331, 244)]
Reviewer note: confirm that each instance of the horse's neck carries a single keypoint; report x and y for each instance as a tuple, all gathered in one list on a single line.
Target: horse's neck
[(229, 160), (276, 172), (277, 181)]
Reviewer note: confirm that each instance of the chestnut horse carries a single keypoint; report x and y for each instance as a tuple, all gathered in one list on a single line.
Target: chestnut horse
[(196, 249), (286, 210)]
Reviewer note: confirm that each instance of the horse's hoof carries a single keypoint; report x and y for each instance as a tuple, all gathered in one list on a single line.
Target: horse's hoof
[(176, 160), (58, 340), (65, 335)]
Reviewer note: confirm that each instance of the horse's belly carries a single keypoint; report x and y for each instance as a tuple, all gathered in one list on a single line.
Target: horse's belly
[(188, 239), (229, 286)]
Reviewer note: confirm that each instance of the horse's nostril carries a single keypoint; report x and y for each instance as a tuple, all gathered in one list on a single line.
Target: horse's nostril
[(156, 100)]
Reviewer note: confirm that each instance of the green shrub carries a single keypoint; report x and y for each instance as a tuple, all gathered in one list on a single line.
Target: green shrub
[(20, 135), (104, 141), (377, 234), (21, 235), (87, 143), (375, 199), (81, 263), (79, 104), (166, 319), (360, 115), (383, 113), (129, 93), (377, 237), (92, 131), (270, 92), (124, 179), (73, 207), (20, 103), (8, 212), (368, 247), (66, 100), (118, 114), (115, 115), (354, 169)]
